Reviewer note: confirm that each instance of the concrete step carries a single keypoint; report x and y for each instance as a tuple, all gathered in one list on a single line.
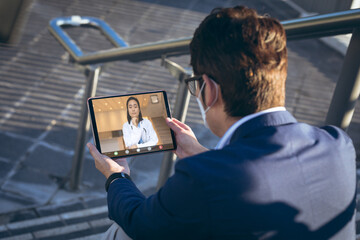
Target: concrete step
[(88, 223), (84, 224)]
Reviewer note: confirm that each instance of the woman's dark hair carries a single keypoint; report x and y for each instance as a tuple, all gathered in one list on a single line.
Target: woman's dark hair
[(127, 109), (246, 54)]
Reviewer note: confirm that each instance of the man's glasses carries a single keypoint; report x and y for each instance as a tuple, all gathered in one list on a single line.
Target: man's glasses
[(194, 83)]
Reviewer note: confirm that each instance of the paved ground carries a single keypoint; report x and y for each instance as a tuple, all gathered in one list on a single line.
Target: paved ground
[(41, 94)]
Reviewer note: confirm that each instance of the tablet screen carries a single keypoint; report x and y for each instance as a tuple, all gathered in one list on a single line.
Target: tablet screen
[(127, 125)]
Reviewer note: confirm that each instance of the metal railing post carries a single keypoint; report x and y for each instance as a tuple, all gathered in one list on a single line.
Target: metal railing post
[(92, 73), (180, 111), (347, 88)]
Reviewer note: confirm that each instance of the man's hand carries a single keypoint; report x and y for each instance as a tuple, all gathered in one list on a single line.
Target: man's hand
[(187, 144), (106, 165)]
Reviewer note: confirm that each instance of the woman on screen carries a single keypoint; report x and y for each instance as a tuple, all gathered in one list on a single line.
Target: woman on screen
[(137, 132)]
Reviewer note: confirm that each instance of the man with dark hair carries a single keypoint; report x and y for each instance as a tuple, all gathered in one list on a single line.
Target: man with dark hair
[(246, 55), (270, 177)]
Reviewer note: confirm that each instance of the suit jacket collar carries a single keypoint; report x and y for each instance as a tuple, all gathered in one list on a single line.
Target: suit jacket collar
[(266, 120)]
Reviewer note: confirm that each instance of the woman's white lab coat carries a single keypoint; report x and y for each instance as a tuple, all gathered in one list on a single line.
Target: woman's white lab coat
[(142, 135)]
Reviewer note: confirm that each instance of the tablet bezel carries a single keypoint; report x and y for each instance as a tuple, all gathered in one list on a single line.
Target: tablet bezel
[(132, 152)]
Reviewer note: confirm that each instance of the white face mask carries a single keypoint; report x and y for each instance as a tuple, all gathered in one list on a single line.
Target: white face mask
[(202, 110)]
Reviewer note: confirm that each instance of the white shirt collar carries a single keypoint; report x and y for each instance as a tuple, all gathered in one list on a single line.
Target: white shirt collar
[(132, 125), (228, 134)]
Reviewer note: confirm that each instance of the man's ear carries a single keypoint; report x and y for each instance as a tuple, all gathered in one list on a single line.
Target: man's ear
[(211, 91)]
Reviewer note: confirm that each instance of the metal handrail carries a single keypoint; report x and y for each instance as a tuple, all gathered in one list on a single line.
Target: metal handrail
[(56, 24), (312, 26), (322, 25)]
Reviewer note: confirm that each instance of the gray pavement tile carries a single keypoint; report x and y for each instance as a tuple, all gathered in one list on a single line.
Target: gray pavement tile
[(33, 222), (145, 180), (91, 237), (53, 232), (91, 177), (26, 236), (29, 129), (32, 185), (145, 163), (2, 228), (62, 136), (49, 161), (86, 218), (10, 203), (89, 203), (22, 215), (59, 208), (282, 9), (36, 228), (33, 225), (5, 167), (4, 232), (63, 196), (84, 213), (310, 51), (12, 148), (71, 235), (145, 170), (101, 222)]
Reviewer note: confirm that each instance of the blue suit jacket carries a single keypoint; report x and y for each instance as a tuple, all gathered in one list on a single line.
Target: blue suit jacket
[(277, 179)]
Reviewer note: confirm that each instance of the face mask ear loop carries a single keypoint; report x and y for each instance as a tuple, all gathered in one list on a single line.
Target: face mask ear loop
[(199, 96), (202, 87), (217, 95), (201, 107)]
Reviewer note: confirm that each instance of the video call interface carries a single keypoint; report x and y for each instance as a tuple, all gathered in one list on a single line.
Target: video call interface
[(128, 125)]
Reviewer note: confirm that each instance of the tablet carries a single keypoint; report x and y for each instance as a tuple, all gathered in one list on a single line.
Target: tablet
[(131, 124)]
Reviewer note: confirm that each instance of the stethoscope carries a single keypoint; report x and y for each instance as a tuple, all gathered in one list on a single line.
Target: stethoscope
[(146, 137)]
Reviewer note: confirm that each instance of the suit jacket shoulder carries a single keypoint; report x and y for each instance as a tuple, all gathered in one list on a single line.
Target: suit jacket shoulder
[(276, 165)]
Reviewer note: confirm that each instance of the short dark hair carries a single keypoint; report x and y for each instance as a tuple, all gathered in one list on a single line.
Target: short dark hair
[(127, 109), (246, 54)]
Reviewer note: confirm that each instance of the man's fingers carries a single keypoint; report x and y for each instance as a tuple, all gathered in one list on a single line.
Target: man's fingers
[(173, 125), (180, 124), (176, 125), (93, 151)]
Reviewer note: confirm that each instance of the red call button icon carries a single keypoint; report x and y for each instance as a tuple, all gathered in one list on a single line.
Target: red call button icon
[(160, 147)]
